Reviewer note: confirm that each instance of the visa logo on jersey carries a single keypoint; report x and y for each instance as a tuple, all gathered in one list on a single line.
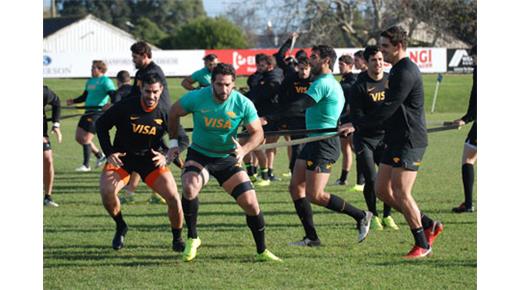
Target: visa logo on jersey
[(144, 129), (217, 123)]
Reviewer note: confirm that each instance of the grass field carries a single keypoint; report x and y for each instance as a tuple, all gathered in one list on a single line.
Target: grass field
[(77, 235)]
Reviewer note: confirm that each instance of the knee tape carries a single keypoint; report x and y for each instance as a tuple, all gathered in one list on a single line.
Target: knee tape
[(241, 188)]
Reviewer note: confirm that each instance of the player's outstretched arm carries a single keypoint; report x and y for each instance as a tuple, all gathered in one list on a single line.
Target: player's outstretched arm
[(174, 119)]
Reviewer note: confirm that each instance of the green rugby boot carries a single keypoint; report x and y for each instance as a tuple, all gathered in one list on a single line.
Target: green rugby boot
[(190, 252), (267, 256)]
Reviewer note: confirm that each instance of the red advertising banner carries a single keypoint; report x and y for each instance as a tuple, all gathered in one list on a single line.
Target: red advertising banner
[(243, 60)]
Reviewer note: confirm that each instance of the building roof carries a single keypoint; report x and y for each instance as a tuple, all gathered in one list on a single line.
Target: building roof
[(51, 25)]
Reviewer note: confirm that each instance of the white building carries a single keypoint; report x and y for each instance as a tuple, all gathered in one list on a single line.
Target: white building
[(85, 34)]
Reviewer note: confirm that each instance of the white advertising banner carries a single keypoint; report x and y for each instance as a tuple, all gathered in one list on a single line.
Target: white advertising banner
[(77, 65), (428, 59)]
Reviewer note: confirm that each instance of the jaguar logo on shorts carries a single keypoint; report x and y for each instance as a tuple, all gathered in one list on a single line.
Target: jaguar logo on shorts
[(158, 121), (231, 114), (417, 163), (89, 119), (309, 163), (396, 159), (328, 166)]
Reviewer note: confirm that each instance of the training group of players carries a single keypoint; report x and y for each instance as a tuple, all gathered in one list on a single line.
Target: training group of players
[(378, 115)]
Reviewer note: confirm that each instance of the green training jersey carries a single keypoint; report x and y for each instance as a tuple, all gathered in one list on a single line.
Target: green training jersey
[(327, 93), (214, 124), (202, 76), (98, 89)]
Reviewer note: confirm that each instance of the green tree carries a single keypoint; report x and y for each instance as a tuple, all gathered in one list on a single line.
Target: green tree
[(147, 30), (206, 33)]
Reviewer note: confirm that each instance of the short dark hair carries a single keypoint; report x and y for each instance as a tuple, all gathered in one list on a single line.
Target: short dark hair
[(100, 65), (301, 53), (151, 78), (269, 59), (358, 53), (346, 58), (370, 51), (123, 76), (326, 51), (210, 57), (223, 69), (303, 60), (395, 35), (141, 48)]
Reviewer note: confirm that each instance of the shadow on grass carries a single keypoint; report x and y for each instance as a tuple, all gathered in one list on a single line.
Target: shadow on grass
[(472, 263)]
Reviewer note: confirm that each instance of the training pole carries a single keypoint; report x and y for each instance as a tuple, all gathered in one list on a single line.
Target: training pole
[(439, 80)]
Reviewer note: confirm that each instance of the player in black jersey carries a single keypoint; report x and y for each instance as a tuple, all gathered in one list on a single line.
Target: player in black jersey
[(292, 89), (142, 59), (140, 125), (469, 155), (367, 94), (402, 114), (50, 98), (348, 79), (124, 87)]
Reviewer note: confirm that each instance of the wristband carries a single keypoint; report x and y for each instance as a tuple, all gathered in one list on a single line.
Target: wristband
[(172, 143), (55, 125)]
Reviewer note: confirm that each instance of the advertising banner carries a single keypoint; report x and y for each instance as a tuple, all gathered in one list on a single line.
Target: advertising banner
[(459, 61)]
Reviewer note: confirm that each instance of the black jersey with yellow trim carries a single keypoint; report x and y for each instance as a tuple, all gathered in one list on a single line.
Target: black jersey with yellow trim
[(137, 130), (367, 95)]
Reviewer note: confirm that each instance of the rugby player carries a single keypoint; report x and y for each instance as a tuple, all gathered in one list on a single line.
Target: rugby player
[(402, 113), (50, 98), (140, 125), (366, 95), (469, 155), (98, 91), (203, 75), (323, 102), (218, 111)]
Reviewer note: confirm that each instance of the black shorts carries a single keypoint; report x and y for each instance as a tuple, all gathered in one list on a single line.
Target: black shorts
[(142, 164), (88, 121), (407, 158), (273, 126), (47, 146), (472, 135), (221, 168), (375, 145), (322, 154)]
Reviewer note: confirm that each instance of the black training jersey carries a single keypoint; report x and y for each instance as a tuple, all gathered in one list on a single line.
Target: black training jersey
[(122, 93), (346, 82), (471, 114), (366, 96), (292, 89), (402, 111), (137, 130), (165, 100), (265, 94), (50, 98)]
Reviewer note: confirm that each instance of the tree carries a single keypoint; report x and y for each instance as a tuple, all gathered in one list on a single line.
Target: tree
[(147, 30), (206, 33)]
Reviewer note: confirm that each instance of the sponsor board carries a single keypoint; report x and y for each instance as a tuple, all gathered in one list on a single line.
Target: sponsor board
[(459, 61), (75, 65)]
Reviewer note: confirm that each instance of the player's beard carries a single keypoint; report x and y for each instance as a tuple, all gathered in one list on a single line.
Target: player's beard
[(220, 97)]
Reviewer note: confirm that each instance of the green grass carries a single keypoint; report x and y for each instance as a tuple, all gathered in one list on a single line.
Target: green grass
[(77, 235)]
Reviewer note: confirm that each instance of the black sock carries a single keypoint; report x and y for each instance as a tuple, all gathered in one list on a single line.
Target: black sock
[(360, 178), (263, 173), (98, 154), (370, 197), (304, 211), (269, 172), (426, 221), (86, 154), (420, 238), (387, 210), (337, 204), (344, 175), (120, 222), (191, 209), (255, 169), (249, 168), (468, 177), (177, 234), (257, 226), (47, 196)]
